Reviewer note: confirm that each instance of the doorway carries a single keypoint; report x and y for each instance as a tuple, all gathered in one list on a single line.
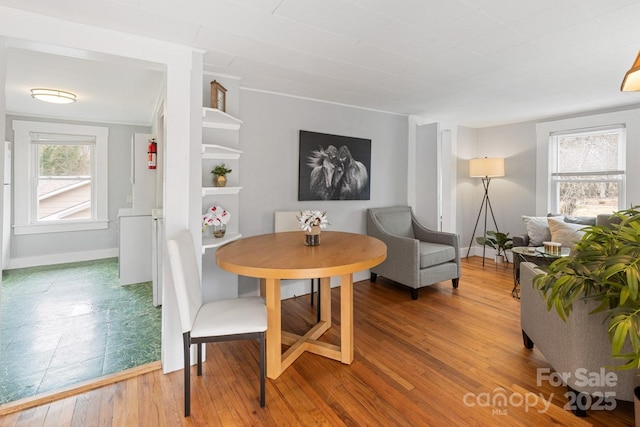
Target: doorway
[(74, 320)]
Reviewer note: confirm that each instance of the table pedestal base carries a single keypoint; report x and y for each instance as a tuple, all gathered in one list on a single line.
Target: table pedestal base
[(298, 344)]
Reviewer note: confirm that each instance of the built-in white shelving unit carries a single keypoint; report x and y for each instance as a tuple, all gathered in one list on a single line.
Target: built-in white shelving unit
[(211, 191), (209, 242), (214, 151), (217, 119), (220, 144)]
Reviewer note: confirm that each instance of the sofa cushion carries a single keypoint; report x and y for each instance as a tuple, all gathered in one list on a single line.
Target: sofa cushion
[(565, 233), (396, 222), (537, 229), (435, 253), (607, 220), (584, 220)]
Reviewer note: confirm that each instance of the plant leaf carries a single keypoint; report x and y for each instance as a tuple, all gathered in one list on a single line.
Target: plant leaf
[(621, 329)]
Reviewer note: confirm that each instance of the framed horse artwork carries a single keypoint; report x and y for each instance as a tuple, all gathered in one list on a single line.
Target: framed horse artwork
[(334, 167)]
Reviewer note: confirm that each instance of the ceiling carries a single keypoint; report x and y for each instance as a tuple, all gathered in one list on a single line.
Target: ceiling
[(107, 91), (476, 63)]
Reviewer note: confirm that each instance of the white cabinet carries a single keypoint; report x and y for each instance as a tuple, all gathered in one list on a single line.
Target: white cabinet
[(134, 258)]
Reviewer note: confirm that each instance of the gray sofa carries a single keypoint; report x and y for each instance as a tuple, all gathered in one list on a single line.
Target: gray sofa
[(416, 256), (602, 219), (577, 347)]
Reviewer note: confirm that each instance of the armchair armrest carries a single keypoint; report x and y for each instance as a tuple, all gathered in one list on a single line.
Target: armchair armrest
[(520, 240), (424, 234), (403, 255)]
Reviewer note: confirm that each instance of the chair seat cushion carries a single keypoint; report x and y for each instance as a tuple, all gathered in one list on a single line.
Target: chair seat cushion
[(230, 317), (435, 253)]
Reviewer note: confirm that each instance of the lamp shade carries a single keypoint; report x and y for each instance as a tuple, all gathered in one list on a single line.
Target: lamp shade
[(631, 81), (486, 167)]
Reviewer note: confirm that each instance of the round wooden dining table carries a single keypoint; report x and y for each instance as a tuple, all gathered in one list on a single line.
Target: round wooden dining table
[(276, 256)]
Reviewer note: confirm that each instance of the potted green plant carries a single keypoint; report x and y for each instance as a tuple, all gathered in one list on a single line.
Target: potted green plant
[(500, 242), (605, 267), (220, 175)]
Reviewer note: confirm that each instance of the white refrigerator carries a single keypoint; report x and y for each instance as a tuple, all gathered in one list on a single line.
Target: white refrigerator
[(135, 223)]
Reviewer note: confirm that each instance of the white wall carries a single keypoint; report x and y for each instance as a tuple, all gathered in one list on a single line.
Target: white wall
[(468, 196), (426, 164), (182, 184), (49, 248), (514, 194), (269, 139)]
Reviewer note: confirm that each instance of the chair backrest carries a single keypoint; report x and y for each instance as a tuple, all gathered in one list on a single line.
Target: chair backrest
[(394, 220), (186, 277), (285, 221)]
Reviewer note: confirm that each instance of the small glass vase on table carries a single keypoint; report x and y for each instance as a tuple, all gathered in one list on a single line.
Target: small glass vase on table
[(311, 222), (312, 238)]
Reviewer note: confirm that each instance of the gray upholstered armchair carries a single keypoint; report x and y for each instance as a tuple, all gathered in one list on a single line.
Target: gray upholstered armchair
[(416, 256)]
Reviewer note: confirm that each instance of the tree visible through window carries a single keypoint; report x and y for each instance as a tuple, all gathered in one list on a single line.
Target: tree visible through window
[(587, 172), (64, 181)]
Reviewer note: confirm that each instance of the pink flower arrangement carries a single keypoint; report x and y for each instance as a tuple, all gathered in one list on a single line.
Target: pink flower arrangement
[(214, 216)]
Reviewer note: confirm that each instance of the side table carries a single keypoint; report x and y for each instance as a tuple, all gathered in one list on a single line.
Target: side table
[(536, 255)]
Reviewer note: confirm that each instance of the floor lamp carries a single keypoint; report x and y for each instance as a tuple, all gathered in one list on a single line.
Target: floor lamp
[(485, 168)]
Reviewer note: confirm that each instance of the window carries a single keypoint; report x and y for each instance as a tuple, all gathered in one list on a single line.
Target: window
[(587, 174), (64, 177), (64, 184)]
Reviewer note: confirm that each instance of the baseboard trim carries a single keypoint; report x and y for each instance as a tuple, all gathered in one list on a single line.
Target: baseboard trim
[(37, 261), (490, 253), (45, 398)]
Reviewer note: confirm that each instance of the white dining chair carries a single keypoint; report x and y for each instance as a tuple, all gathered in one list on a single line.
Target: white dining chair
[(224, 320), (288, 221)]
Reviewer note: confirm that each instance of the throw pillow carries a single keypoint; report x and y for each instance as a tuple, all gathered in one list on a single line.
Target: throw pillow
[(537, 229), (566, 233)]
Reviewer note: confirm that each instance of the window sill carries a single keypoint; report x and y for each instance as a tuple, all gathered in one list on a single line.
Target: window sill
[(60, 228)]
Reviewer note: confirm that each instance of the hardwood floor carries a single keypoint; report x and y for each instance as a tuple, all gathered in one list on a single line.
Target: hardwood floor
[(436, 361)]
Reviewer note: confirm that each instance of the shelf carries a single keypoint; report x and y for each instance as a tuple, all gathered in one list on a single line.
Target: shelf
[(214, 151), (217, 119), (212, 191), (209, 242)]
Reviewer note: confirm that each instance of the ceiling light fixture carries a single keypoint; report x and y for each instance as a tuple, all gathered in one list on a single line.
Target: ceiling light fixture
[(631, 81), (53, 95)]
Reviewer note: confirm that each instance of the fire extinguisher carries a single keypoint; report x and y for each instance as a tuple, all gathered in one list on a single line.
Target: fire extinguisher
[(152, 152)]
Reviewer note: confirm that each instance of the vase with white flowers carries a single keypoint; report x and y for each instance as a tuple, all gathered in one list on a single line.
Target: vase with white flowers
[(311, 222), (216, 218)]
